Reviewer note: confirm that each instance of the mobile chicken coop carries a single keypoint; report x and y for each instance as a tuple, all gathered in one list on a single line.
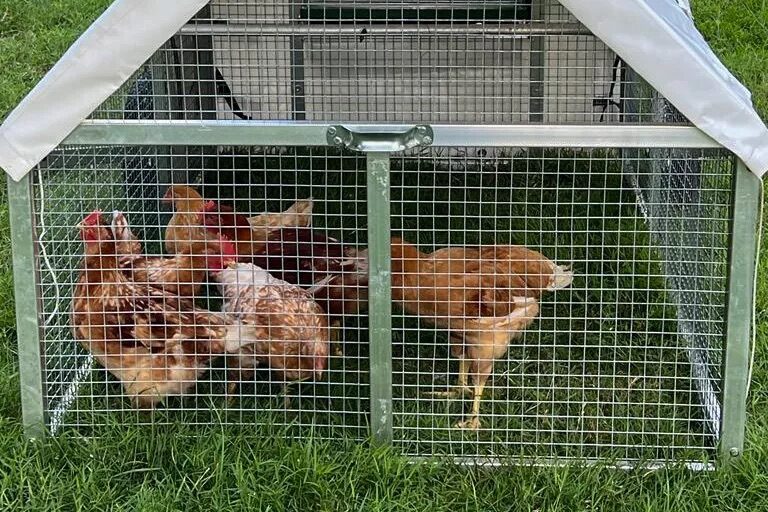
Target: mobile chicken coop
[(605, 135)]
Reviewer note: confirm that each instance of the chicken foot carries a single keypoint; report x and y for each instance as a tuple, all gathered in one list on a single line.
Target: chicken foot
[(473, 421), (336, 338), (482, 370), (461, 389), (286, 391), (235, 376)]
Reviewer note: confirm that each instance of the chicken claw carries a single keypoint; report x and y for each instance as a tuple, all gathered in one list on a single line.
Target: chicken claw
[(286, 392), (231, 390), (472, 423), (461, 389), (454, 392)]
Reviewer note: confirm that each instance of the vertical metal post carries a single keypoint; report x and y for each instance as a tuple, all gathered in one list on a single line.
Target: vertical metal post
[(27, 319), (197, 80), (743, 252), (193, 95), (380, 297), (297, 68), (536, 91)]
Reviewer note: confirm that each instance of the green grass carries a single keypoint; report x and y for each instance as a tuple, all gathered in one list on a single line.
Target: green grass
[(179, 467)]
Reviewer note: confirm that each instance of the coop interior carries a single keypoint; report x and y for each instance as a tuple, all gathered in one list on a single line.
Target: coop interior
[(624, 363)]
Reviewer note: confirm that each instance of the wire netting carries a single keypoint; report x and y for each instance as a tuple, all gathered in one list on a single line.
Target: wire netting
[(443, 61), (622, 364)]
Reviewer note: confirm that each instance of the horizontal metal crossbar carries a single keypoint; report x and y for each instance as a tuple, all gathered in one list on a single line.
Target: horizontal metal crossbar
[(448, 29), (214, 133)]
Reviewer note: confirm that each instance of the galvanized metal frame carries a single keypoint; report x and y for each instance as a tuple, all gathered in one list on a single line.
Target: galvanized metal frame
[(25, 278), (533, 29), (277, 133), (742, 268), (193, 122), (380, 296)]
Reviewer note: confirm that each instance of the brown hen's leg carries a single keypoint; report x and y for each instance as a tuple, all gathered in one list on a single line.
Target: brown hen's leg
[(461, 389), (473, 422), (286, 391), (336, 338), (234, 377), (286, 396), (479, 379)]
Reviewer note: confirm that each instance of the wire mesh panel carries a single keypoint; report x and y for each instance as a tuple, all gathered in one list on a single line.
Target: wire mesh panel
[(73, 182), (670, 193), (621, 365), (446, 61)]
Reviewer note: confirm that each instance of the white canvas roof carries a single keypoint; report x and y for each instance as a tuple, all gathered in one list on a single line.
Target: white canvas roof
[(657, 38)]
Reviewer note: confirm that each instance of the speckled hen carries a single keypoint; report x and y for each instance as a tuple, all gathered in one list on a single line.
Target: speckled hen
[(288, 330)]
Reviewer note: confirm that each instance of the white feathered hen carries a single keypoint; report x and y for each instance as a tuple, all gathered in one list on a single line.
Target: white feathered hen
[(287, 330)]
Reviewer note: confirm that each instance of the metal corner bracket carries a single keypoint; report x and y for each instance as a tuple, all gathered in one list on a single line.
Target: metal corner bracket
[(380, 142)]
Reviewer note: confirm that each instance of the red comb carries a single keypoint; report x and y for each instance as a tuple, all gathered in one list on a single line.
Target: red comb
[(227, 247), (93, 218), (228, 255), (210, 206)]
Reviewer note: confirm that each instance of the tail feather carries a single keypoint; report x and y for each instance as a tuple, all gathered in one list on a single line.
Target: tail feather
[(562, 277), (298, 215)]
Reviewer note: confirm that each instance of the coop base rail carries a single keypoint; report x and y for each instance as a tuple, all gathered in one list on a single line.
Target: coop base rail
[(550, 462), (290, 133)]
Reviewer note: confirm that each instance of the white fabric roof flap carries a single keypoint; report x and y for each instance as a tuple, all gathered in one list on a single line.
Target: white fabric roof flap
[(123, 38), (661, 43), (686, 6), (656, 37)]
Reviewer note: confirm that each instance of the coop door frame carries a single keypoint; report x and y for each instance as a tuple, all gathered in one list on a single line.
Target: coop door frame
[(380, 142)]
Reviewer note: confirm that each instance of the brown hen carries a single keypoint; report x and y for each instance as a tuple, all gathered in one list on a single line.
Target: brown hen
[(155, 343), (187, 223), (485, 297), (221, 216)]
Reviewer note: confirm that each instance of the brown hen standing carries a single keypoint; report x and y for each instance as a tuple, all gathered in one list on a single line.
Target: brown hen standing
[(187, 223), (155, 343), (485, 297)]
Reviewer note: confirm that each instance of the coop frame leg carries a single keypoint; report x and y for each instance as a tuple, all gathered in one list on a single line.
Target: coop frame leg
[(741, 274), (23, 244), (380, 296)]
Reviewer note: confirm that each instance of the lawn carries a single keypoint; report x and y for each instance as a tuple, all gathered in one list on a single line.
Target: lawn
[(217, 468)]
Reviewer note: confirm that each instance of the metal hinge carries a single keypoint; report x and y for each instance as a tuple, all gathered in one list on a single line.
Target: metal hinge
[(386, 142)]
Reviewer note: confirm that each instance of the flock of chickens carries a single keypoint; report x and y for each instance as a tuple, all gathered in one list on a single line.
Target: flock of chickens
[(286, 290)]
